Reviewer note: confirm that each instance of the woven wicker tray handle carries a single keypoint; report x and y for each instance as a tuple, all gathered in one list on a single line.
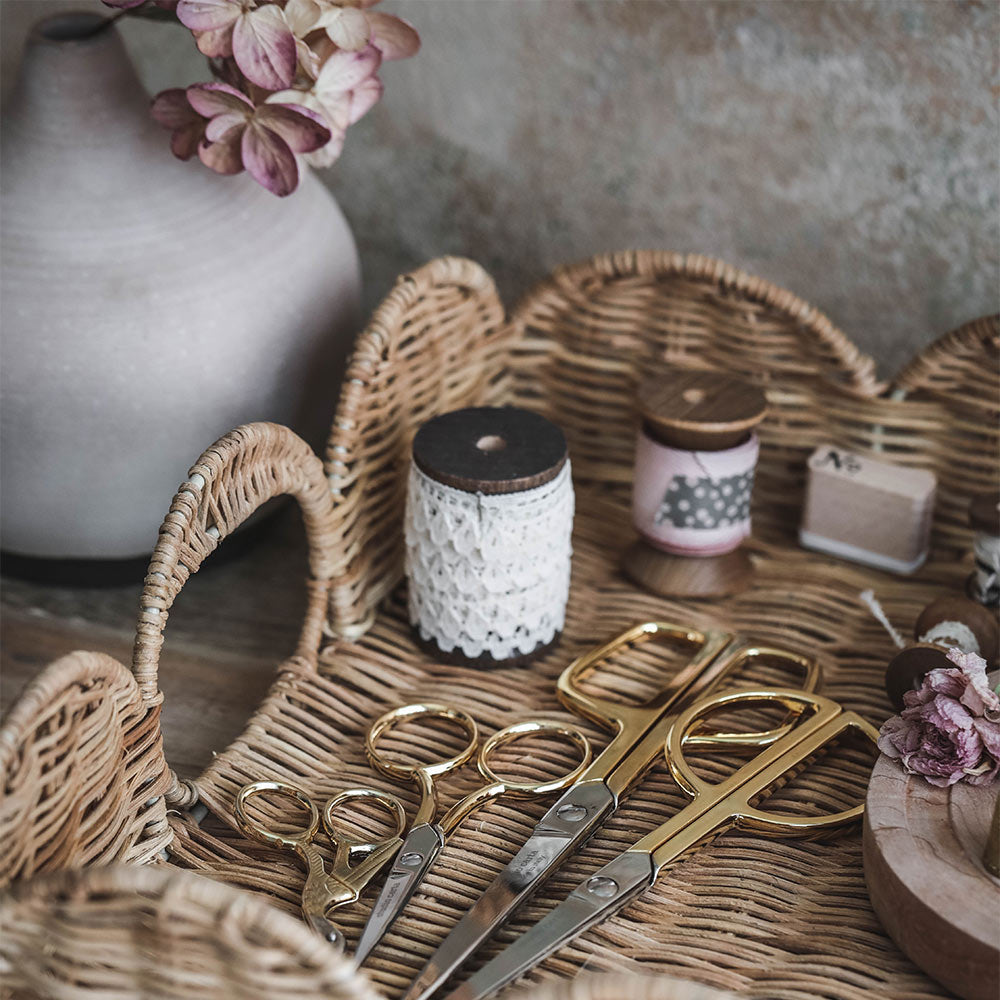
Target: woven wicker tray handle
[(231, 480)]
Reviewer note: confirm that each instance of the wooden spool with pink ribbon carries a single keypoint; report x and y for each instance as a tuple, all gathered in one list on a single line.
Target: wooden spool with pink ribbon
[(694, 468)]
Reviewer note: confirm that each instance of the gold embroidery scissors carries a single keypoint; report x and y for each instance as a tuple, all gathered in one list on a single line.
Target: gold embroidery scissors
[(714, 807), (426, 837), (342, 884), (638, 737)]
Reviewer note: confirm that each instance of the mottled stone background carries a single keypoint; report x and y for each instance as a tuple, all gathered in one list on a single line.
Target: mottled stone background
[(844, 149)]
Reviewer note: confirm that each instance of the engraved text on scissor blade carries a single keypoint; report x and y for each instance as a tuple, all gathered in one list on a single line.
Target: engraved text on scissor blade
[(416, 855), (568, 823)]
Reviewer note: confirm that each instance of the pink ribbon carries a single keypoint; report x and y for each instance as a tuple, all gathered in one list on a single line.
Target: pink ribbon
[(693, 503)]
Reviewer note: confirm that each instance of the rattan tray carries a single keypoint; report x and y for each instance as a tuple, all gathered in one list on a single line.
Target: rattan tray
[(86, 783)]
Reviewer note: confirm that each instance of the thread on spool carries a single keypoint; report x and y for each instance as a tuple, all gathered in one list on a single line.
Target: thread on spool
[(693, 503), (950, 634), (985, 580), (488, 573)]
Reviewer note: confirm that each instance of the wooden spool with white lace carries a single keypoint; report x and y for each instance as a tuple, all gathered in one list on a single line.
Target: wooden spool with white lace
[(489, 519)]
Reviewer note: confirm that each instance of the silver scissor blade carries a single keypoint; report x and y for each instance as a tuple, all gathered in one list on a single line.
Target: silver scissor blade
[(414, 858), (591, 902), (567, 825)]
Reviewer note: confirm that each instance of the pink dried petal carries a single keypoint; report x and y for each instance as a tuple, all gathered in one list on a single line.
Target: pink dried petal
[(264, 47), (364, 97), (302, 16), (302, 129), (210, 99), (344, 71), (269, 160), (224, 156), (171, 109), (328, 154), (215, 44), (221, 124), (347, 27), (208, 15), (185, 141), (989, 733), (392, 36)]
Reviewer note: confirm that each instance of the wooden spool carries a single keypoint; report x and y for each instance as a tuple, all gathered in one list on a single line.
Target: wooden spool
[(907, 668), (923, 857), (695, 411), (491, 450)]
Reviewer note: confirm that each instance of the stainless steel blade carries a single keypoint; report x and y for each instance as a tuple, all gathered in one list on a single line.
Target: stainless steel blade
[(565, 827), (591, 902), (421, 847)]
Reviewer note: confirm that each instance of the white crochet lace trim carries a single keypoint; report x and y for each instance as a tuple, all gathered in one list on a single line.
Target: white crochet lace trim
[(488, 574)]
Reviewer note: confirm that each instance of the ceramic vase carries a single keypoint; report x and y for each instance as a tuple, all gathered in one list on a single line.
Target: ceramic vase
[(148, 305)]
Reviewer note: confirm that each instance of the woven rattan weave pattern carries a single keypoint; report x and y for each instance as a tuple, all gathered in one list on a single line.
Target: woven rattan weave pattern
[(758, 917)]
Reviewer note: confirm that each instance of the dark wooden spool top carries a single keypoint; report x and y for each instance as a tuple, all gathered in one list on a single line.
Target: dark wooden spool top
[(984, 513), (490, 449), (699, 411)]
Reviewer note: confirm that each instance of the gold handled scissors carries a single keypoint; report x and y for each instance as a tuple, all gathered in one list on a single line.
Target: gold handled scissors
[(427, 837), (714, 808), (638, 736), (342, 884)]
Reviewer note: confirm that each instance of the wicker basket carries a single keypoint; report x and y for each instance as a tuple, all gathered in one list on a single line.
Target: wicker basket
[(86, 783)]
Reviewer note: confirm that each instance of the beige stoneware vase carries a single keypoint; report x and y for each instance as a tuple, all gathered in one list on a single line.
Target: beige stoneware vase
[(147, 304)]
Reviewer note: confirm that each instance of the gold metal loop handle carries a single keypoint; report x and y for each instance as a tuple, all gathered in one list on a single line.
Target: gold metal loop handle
[(498, 786), (422, 775), (251, 827), (512, 733), (340, 837), (802, 739), (810, 679), (411, 713), (605, 711)]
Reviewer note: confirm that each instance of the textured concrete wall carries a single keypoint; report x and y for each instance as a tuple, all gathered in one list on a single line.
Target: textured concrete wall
[(844, 149)]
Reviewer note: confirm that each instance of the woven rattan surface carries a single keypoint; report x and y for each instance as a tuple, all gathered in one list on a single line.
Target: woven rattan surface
[(157, 932), (758, 917)]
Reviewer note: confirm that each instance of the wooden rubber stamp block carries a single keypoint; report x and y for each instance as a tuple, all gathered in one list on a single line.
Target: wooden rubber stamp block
[(867, 511)]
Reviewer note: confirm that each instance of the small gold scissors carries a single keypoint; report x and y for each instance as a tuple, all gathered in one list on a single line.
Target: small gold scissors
[(714, 807), (638, 732), (342, 884), (427, 837)]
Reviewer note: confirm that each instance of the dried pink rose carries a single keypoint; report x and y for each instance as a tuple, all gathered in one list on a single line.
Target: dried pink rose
[(262, 139), (950, 728), (173, 111), (257, 36)]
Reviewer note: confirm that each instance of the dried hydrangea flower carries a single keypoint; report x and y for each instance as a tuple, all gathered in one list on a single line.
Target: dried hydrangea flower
[(350, 26), (256, 36), (173, 111), (949, 730), (261, 139), (345, 89), (292, 76)]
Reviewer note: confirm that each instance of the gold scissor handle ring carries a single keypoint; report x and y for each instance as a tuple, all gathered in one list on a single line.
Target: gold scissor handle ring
[(253, 828), (682, 731), (338, 836), (511, 733), (408, 772), (795, 824)]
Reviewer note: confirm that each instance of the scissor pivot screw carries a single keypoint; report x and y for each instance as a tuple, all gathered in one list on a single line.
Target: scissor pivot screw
[(601, 885), (571, 813), (411, 859)]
